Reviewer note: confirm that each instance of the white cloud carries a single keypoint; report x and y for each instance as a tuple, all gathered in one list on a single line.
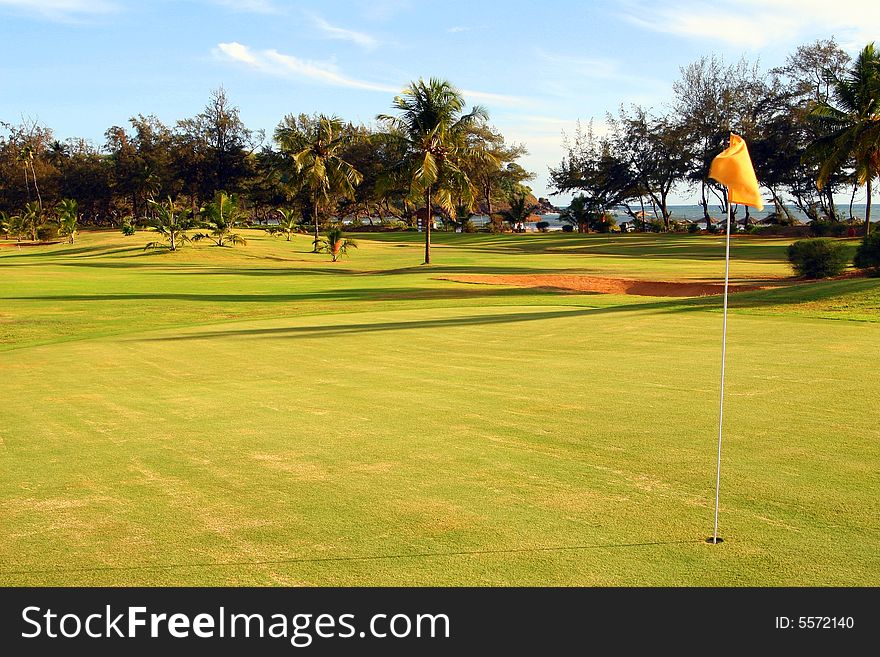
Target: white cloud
[(456, 29), (758, 23), (275, 63), (272, 62), (62, 10), (340, 33)]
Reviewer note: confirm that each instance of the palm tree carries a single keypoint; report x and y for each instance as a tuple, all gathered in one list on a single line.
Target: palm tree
[(288, 223), (221, 216), (335, 244), (851, 124), (320, 164), (577, 213), (5, 223), (17, 227), (171, 223), (520, 210), (67, 219), (32, 219), (434, 130), (58, 153)]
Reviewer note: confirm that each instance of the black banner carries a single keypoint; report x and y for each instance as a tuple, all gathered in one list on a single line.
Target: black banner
[(431, 621)]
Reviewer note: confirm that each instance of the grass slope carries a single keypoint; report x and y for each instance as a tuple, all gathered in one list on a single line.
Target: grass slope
[(262, 416)]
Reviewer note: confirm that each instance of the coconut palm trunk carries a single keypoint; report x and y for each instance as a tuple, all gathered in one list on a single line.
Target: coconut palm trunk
[(868, 210), (36, 188), (315, 218), (428, 222)]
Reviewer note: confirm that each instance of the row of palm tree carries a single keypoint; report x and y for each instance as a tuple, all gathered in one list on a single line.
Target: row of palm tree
[(430, 130), (33, 218), (174, 221)]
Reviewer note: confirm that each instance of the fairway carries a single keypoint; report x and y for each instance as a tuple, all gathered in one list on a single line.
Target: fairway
[(262, 416)]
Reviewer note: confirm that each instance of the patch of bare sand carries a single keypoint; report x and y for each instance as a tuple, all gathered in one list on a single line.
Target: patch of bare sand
[(604, 285)]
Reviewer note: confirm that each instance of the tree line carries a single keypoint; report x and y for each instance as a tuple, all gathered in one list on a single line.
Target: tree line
[(812, 126), (430, 153)]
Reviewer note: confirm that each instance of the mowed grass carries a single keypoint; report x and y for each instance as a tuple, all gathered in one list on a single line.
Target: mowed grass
[(260, 416)]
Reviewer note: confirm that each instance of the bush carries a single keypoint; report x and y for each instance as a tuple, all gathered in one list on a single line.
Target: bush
[(693, 228), (128, 229), (868, 253), (543, 226), (47, 233), (567, 228), (824, 228), (818, 257)]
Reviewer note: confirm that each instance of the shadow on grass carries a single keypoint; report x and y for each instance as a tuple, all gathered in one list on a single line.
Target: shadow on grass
[(743, 301), (782, 294), (79, 251), (375, 557), (347, 294), (670, 246), (405, 325)]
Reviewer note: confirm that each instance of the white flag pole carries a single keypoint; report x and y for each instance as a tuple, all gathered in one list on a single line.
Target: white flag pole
[(715, 538)]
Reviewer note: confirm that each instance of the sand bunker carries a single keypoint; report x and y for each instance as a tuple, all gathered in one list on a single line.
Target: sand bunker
[(602, 285)]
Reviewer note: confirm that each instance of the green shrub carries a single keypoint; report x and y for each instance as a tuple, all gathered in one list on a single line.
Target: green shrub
[(693, 228), (47, 233), (825, 228), (868, 253), (817, 257), (567, 228), (543, 226), (128, 229)]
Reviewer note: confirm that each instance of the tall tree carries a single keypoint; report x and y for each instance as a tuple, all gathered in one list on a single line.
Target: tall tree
[(318, 158), (216, 149), (657, 151), (713, 98), (593, 166), (27, 156), (498, 178), (851, 118), (434, 128), (787, 128)]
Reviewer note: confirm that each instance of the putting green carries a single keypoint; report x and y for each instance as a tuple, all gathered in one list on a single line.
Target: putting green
[(258, 416)]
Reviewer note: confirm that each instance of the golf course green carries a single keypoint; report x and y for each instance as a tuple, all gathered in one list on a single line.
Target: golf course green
[(259, 415)]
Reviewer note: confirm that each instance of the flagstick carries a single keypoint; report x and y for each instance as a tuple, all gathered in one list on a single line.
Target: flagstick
[(715, 538)]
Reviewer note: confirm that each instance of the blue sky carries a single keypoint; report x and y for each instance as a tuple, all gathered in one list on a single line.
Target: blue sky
[(80, 66)]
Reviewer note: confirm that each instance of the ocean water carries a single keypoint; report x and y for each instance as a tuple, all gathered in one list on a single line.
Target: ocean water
[(695, 213)]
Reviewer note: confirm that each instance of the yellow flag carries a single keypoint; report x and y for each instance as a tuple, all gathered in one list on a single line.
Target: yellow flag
[(733, 169)]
